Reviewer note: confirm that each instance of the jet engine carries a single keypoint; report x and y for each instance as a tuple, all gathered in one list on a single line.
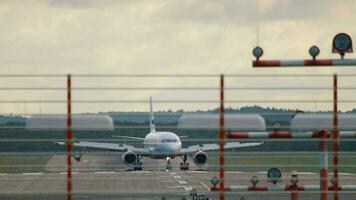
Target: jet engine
[(129, 158), (200, 158)]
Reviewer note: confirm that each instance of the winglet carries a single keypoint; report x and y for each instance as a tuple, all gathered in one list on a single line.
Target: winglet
[(152, 119)]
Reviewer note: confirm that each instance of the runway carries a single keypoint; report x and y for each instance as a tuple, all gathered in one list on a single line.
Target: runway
[(96, 177)]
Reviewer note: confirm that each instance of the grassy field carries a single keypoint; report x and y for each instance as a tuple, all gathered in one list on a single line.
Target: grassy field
[(286, 163), (23, 164)]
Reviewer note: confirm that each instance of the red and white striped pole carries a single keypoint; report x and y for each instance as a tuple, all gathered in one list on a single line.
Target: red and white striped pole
[(303, 63), (69, 138), (336, 144), (222, 138), (324, 166)]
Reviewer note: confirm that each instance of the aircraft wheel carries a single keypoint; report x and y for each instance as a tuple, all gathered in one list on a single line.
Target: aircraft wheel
[(184, 167), (138, 167)]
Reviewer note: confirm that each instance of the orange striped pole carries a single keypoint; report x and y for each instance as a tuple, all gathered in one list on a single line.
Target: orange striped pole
[(69, 138), (222, 137), (324, 165)]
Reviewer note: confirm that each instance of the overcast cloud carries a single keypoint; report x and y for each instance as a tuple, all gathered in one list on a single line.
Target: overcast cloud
[(140, 37)]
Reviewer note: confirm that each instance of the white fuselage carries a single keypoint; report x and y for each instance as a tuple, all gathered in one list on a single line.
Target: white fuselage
[(162, 144)]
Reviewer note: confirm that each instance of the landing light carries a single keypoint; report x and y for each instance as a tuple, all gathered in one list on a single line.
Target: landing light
[(314, 51), (254, 180), (342, 43), (214, 181), (294, 178), (257, 52), (334, 180), (274, 175)]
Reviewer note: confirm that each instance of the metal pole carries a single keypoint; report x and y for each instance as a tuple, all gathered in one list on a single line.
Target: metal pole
[(294, 194), (336, 143), (304, 63), (222, 137), (324, 166), (69, 138)]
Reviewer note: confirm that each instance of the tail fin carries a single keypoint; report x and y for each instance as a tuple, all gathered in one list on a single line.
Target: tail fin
[(152, 118)]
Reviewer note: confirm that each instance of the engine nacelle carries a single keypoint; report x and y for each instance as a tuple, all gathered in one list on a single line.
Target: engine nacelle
[(129, 158), (200, 158)]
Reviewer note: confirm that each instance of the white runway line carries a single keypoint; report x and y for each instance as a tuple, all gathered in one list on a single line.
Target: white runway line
[(177, 177), (196, 171), (3, 174), (188, 188), (167, 181), (66, 173), (172, 173), (36, 173), (140, 172), (234, 172), (306, 173), (182, 182), (345, 173), (164, 176), (104, 172)]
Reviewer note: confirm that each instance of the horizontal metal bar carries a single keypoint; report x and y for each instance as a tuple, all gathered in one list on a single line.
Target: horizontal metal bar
[(305, 63), (171, 75), (175, 88), (178, 101)]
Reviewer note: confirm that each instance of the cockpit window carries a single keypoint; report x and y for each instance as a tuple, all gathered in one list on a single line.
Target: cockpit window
[(169, 140)]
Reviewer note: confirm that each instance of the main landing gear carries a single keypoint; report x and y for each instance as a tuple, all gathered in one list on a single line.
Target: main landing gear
[(169, 165), (184, 166), (138, 164)]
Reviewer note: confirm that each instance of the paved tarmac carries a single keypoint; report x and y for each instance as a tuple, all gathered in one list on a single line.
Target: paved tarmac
[(106, 177)]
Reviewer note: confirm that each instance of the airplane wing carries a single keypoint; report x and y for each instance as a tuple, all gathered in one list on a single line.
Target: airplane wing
[(211, 147), (110, 146), (128, 137)]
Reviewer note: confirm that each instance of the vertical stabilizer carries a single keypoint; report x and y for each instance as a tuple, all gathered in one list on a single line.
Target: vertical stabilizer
[(152, 118)]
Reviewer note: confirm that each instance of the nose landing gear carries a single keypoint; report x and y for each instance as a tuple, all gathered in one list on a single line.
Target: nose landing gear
[(184, 166), (169, 165)]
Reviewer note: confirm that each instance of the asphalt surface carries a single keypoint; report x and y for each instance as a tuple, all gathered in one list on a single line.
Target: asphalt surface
[(106, 177)]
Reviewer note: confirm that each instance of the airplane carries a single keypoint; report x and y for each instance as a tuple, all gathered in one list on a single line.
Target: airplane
[(162, 145)]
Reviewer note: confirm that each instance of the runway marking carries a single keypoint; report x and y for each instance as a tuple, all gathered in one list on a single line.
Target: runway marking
[(66, 173), (36, 173), (167, 181), (164, 176), (235, 172), (3, 174), (110, 172), (182, 182), (205, 186), (140, 172), (306, 173), (177, 177), (183, 186), (172, 173), (197, 171), (188, 188), (345, 174), (262, 172)]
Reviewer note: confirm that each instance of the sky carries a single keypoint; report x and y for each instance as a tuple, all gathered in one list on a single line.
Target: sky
[(167, 37)]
